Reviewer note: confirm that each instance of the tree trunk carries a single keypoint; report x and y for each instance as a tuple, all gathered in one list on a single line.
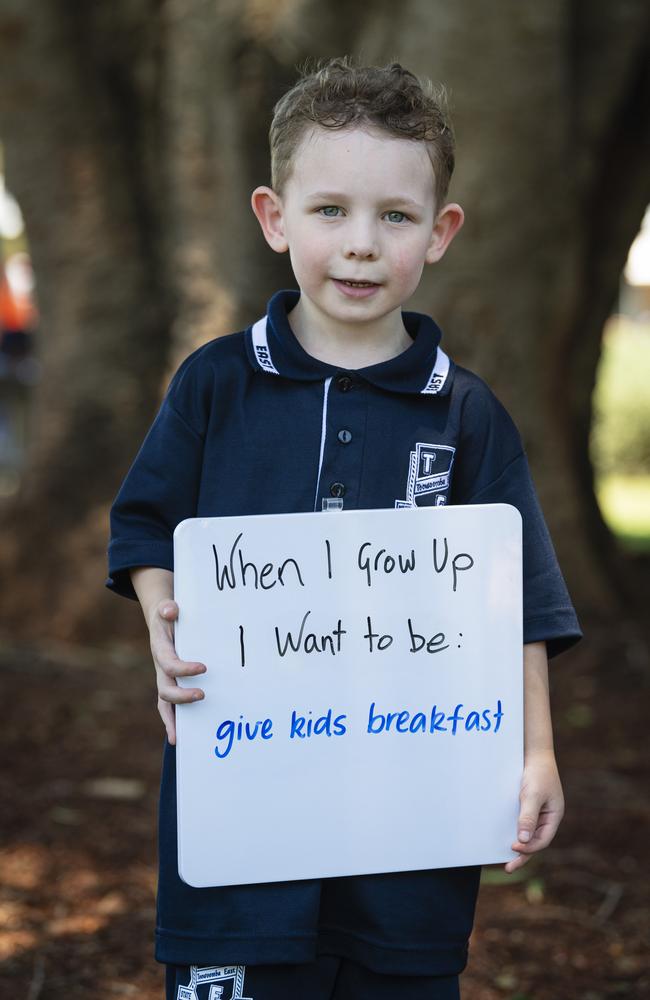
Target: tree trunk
[(80, 122), (553, 124), (134, 132)]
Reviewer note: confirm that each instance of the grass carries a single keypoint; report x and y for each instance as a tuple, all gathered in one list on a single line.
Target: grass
[(620, 440), (625, 504)]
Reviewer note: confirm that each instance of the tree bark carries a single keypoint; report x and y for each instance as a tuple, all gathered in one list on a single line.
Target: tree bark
[(80, 121), (553, 123), (134, 132)]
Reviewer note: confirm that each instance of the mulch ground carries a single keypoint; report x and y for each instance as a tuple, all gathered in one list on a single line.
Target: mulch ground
[(80, 742)]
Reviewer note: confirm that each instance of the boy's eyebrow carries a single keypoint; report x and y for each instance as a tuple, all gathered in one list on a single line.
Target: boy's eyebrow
[(398, 199)]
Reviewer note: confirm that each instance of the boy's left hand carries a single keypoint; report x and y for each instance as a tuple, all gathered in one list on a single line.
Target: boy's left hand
[(541, 807)]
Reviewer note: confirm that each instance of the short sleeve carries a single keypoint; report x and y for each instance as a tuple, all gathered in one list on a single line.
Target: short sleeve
[(161, 487), (491, 467)]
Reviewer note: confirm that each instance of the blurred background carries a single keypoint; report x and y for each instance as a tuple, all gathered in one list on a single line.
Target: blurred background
[(132, 133)]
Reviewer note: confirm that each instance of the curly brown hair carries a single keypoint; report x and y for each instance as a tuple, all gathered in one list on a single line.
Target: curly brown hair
[(338, 94)]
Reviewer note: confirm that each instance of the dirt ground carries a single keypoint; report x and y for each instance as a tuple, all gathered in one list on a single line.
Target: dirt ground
[(80, 744)]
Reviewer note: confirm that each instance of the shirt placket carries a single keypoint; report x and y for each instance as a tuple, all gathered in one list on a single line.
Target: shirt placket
[(344, 429)]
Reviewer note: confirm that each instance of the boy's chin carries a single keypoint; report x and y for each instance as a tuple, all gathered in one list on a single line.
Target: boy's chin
[(351, 310)]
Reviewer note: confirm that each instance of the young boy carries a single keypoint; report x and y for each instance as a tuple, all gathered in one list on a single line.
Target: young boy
[(336, 393)]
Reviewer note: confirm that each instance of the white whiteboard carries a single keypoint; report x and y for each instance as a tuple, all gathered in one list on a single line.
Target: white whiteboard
[(356, 791)]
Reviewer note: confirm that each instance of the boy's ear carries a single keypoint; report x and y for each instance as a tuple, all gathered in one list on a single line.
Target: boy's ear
[(267, 207), (448, 222)]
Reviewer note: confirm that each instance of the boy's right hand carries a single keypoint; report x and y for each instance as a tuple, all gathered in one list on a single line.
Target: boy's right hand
[(169, 667)]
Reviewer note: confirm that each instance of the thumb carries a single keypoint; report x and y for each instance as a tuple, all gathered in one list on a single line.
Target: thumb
[(168, 610), (528, 817)]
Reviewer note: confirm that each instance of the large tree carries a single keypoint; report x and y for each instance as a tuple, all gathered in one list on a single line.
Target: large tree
[(133, 133)]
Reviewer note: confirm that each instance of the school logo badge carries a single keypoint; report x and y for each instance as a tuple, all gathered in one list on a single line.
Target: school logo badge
[(429, 472), (217, 982)]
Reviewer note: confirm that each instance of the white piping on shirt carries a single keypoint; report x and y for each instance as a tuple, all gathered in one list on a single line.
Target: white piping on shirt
[(438, 376), (323, 434), (261, 346)]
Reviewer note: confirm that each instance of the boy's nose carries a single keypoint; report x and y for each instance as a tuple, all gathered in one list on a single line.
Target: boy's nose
[(365, 249), (360, 243)]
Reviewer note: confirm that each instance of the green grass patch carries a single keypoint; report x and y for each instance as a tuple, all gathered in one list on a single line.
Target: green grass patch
[(620, 438), (625, 504)]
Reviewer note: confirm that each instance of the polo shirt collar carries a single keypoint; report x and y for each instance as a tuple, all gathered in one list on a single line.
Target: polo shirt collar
[(423, 368)]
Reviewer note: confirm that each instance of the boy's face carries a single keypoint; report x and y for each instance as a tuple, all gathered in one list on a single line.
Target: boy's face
[(358, 207)]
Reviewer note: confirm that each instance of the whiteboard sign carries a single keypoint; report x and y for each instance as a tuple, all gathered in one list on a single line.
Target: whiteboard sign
[(363, 705)]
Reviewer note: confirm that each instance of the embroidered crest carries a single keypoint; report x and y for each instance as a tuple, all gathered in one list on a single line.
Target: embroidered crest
[(429, 472), (226, 983)]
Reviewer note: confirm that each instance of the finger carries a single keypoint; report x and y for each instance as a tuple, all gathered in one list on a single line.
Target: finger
[(164, 653), (168, 717), (525, 843), (173, 667), (516, 863), (168, 610), (176, 695), (527, 820), (547, 827)]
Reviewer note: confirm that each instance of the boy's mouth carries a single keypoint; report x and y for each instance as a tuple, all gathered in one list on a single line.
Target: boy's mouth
[(356, 289), (357, 284)]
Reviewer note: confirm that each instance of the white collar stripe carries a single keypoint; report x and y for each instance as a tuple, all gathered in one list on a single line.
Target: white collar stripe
[(438, 376), (323, 434), (261, 347)]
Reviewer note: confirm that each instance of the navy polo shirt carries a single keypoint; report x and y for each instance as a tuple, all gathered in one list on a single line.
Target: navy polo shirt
[(252, 424)]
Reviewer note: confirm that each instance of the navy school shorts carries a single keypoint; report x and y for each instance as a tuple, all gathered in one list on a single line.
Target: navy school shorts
[(328, 978)]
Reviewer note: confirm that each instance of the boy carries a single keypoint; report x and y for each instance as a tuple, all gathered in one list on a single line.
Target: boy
[(330, 395)]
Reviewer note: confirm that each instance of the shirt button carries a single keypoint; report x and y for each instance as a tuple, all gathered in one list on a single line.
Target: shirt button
[(337, 490), (344, 383), (344, 436)]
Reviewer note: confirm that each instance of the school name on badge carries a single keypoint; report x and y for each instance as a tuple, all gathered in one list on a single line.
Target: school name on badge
[(430, 467)]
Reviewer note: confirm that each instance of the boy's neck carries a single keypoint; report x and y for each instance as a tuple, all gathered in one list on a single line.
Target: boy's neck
[(351, 345)]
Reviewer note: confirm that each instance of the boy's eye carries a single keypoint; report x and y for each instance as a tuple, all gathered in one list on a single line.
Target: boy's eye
[(333, 212)]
